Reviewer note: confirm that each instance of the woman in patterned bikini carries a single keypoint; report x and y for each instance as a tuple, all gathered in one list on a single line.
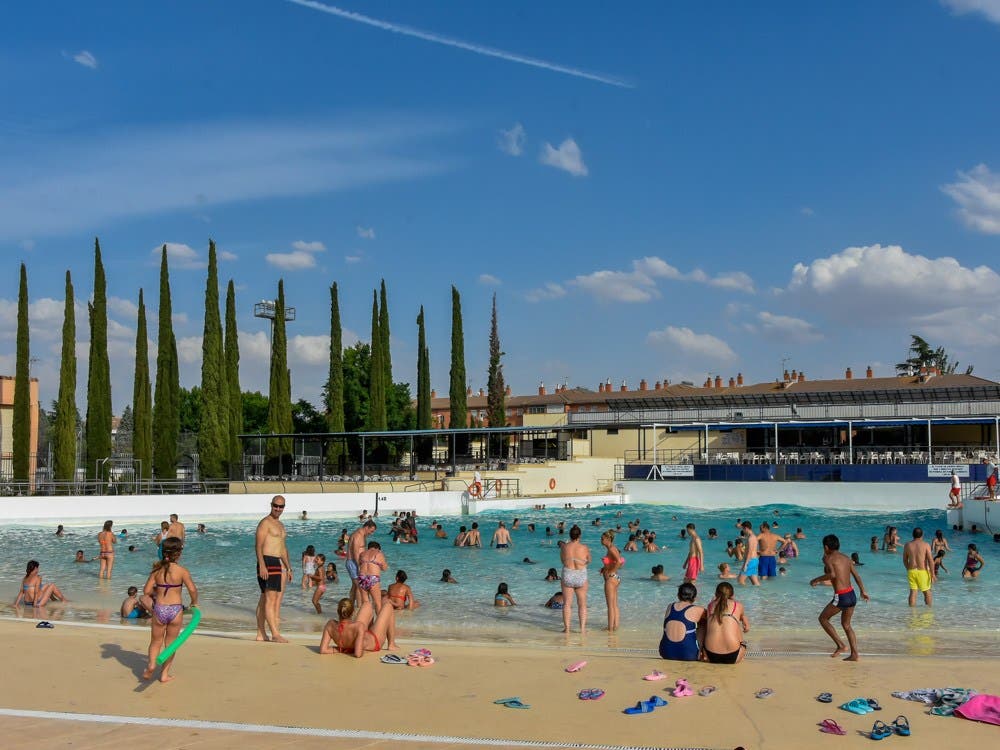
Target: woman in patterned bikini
[(164, 585)]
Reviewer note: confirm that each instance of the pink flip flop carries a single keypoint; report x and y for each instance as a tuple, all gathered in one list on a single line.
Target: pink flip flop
[(683, 689), (656, 674), (576, 667), (831, 727)]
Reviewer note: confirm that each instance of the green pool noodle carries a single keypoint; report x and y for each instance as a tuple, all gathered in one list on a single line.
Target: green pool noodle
[(184, 635)]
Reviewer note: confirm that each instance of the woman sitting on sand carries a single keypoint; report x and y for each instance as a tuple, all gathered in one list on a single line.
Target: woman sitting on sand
[(680, 626), (364, 633), (33, 592), (722, 628)]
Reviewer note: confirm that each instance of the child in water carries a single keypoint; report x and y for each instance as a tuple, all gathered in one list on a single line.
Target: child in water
[(446, 577), (318, 578), (502, 598), (308, 566), (331, 572)]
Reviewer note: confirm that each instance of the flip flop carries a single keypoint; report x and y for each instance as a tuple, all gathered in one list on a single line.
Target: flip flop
[(656, 674), (576, 666), (831, 727), (873, 703), (45, 624), (516, 703), (902, 726), (591, 694), (856, 706), (765, 693), (393, 659), (880, 730), (505, 701), (682, 690), (656, 701), (642, 707), (825, 697), (707, 691)]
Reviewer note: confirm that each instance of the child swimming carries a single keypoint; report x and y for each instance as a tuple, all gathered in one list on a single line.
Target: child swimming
[(502, 598)]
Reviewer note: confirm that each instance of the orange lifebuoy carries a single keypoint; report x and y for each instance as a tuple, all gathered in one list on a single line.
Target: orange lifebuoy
[(552, 483), (498, 485), (476, 489)]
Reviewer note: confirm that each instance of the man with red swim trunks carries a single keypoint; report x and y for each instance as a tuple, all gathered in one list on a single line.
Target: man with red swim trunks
[(955, 495), (695, 562)]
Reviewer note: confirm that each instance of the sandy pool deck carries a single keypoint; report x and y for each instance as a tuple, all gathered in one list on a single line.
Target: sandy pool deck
[(78, 686)]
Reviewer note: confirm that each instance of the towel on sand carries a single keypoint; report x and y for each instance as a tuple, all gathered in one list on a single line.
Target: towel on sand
[(981, 708)]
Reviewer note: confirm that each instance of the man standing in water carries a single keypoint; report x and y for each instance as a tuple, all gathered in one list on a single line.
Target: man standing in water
[(355, 546), (501, 537), (751, 562), (176, 528), (695, 562), (272, 568), (838, 569), (768, 542), (919, 565)]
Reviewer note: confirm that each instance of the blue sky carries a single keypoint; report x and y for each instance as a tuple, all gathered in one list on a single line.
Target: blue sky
[(656, 190)]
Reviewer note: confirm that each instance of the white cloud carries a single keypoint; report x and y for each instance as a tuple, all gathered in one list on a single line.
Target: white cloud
[(86, 59), (189, 349), (512, 141), (488, 279), (124, 307), (353, 258), (179, 256), (550, 290), (807, 211), (787, 328), (296, 260), (225, 255), (309, 350), (567, 158), (892, 283), (639, 284), (977, 194), (179, 318), (366, 233), (988, 8), (689, 342), (736, 280), (309, 247), (117, 330)]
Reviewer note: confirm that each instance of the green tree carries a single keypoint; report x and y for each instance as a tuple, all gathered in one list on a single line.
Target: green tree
[(124, 435), (98, 428), (142, 399), (357, 371), (214, 445), (377, 419), (333, 392), (306, 418), (496, 411), (190, 410), (399, 404), (279, 410), (424, 413), (923, 355), (383, 330), (166, 406), (233, 394), (22, 387), (456, 391), (254, 411), (66, 417)]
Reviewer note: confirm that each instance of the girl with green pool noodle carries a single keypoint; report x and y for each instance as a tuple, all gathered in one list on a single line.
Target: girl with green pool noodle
[(164, 585)]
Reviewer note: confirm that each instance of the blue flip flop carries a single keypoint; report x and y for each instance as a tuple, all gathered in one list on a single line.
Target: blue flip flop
[(656, 701), (857, 706), (880, 730), (902, 726), (642, 707)]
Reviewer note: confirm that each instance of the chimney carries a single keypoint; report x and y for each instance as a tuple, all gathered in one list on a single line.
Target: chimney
[(802, 377), (787, 376), (795, 375), (718, 381), (732, 382), (868, 372), (848, 374), (481, 393), (600, 387), (656, 385), (468, 391), (739, 378), (624, 387), (642, 384), (541, 389), (507, 391), (708, 383)]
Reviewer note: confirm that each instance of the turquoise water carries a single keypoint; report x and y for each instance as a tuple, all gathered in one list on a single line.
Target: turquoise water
[(782, 611)]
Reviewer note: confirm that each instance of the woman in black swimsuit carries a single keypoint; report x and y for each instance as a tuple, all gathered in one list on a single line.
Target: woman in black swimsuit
[(723, 627)]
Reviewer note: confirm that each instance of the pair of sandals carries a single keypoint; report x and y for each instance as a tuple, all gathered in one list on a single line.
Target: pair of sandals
[(881, 730), (590, 694), (645, 707), (861, 706)]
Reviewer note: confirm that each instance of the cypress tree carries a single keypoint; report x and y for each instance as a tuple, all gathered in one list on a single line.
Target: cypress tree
[(167, 404), (423, 376), (213, 437), (234, 394), (142, 399), (335, 381), (22, 387), (456, 390), (496, 411), (383, 329), (377, 420), (99, 375), (279, 404), (64, 438)]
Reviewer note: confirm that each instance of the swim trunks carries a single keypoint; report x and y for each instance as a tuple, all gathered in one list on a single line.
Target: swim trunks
[(920, 580), (352, 569), (692, 570), (844, 599), (574, 579), (955, 492), (274, 579), (367, 583), (767, 566), (751, 567), (502, 546)]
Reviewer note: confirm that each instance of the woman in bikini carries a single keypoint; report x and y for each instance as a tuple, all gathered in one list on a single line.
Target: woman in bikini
[(347, 636), (164, 586), (575, 556), (401, 595), (722, 628), (613, 561), (502, 597), (107, 539), (939, 543), (33, 592)]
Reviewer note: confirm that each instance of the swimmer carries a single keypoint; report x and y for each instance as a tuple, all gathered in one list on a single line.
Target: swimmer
[(552, 575), (318, 579), (799, 534), (782, 572), (501, 537), (133, 608), (856, 559), (630, 545), (201, 528), (59, 530), (439, 532), (331, 572), (658, 574), (725, 572), (81, 559), (303, 516), (575, 557), (107, 540), (713, 534), (446, 577), (529, 561), (366, 632), (695, 562), (973, 563), (502, 597), (556, 601), (939, 562), (874, 547), (400, 595), (165, 582)]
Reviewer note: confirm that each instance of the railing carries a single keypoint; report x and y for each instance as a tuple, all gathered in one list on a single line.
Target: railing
[(889, 454), (99, 487)]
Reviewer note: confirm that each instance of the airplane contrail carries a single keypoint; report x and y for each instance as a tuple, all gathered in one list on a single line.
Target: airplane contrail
[(479, 49)]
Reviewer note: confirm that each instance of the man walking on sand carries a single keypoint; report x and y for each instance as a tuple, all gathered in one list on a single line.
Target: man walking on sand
[(695, 562), (355, 546), (838, 569), (919, 563), (272, 569), (751, 562)]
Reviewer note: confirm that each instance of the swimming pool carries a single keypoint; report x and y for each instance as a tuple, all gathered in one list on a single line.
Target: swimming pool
[(782, 611)]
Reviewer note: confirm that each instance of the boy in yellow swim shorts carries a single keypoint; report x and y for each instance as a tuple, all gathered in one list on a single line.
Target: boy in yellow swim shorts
[(919, 564)]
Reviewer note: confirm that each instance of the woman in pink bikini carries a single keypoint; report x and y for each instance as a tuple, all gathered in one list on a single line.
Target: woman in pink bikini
[(613, 561), (164, 586)]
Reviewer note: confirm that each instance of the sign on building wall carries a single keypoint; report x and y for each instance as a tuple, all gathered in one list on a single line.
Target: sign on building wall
[(944, 470), (676, 470)]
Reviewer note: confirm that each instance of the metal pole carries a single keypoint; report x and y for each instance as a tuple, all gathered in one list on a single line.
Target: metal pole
[(930, 444), (362, 457), (775, 442), (996, 434), (454, 465), (850, 442), (654, 443)]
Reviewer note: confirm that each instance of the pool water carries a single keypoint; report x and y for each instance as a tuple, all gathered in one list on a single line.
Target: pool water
[(782, 611)]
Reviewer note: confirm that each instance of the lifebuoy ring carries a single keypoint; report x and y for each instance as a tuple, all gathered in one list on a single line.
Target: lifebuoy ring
[(498, 485), (476, 489), (552, 483)]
